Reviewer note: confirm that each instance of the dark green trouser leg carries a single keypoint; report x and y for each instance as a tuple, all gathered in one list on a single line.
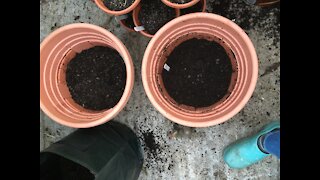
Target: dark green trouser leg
[(109, 151)]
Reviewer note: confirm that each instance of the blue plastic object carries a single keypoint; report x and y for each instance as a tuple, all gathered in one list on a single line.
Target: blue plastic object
[(246, 152), (271, 143)]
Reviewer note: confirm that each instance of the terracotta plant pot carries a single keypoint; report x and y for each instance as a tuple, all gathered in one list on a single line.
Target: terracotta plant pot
[(124, 25), (122, 22), (117, 13), (137, 22), (56, 50), (265, 3), (203, 4), (180, 6), (262, 3), (212, 27)]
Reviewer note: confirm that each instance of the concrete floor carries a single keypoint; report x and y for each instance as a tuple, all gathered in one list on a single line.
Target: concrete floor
[(194, 153)]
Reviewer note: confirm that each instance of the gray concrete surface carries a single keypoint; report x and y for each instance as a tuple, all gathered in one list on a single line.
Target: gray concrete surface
[(182, 152)]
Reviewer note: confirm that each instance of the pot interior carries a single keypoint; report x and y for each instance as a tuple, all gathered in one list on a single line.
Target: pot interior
[(162, 58)]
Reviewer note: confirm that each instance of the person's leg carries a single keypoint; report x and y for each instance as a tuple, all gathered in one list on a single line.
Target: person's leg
[(270, 143), (247, 151)]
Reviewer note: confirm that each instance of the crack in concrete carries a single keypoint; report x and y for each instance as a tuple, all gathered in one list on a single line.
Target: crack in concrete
[(271, 69)]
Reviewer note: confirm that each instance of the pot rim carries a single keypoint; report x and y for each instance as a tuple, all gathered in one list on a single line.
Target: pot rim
[(180, 6), (107, 114), (136, 21), (100, 4), (172, 115)]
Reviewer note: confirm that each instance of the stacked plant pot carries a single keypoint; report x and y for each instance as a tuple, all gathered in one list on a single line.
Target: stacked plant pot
[(122, 9), (262, 3), (148, 16), (86, 75), (198, 70)]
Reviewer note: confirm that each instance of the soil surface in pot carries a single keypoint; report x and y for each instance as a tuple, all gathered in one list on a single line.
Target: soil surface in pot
[(266, 19), (154, 14), (117, 5), (129, 21), (195, 8), (200, 73), (180, 1), (96, 78)]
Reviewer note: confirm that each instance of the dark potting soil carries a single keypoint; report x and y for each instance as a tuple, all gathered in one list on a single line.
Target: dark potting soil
[(195, 8), (154, 14), (154, 149), (118, 5), (129, 21), (200, 73), (96, 78), (261, 19), (150, 142), (180, 1)]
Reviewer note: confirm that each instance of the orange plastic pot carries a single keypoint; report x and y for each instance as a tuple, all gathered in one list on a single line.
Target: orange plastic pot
[(209, 26), (100, 4), (124, 25), (180, 6), (56, 50), (204, 5), (137, 22), (262, 3), (265, 3)]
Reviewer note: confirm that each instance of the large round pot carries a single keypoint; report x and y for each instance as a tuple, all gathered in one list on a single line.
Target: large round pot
[(56, 50), (137, 22), (209, 26), (180, 6), (101, 5)]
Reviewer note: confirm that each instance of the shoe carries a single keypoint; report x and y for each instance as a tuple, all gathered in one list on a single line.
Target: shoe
[(246, 152)]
